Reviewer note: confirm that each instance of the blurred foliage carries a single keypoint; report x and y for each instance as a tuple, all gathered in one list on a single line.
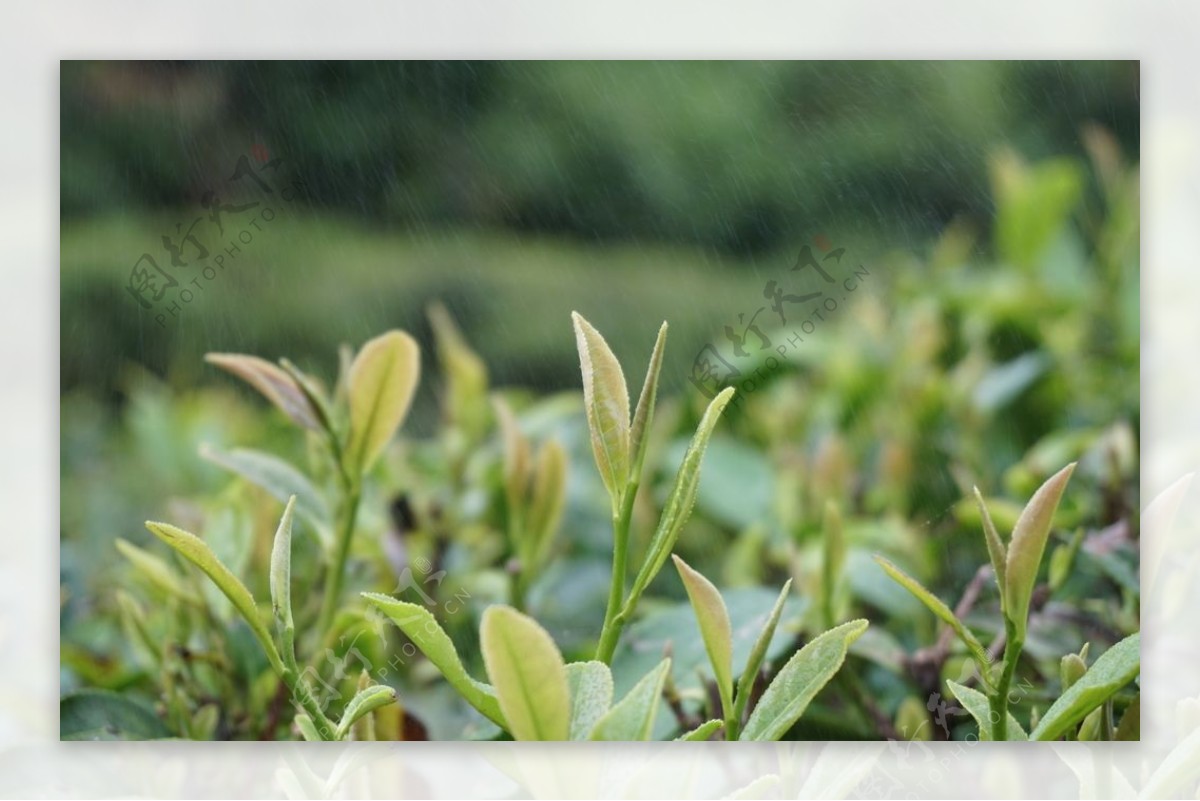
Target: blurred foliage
[(995, 339)]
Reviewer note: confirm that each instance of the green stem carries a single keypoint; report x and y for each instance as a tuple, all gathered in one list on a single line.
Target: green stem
[(302, 693), (614, 621), (333, 581), (999, 701)]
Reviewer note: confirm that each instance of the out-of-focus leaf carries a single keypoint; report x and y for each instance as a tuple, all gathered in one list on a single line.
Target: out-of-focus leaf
[(548, 498), (196, 551), (633, 716), (1115, 668), (701, 732), (798, 681), (155, 570), (272, 381), (1130, 727), (1033, 204), (1026, 547), (364, 703), (466, 375), (383, 380), (527, 670), (307, 729), (280, 480), (977, 704), (679, 503), (943, 612), (714, 628), (104, 715), (591, 687), (1004, 383), (425, 632), (516, 463), (606, 402)]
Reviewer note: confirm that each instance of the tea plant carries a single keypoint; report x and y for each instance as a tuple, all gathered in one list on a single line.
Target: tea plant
[(1015, 569)]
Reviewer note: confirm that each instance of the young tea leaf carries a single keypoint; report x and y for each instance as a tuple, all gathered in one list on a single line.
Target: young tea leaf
[(1115, 668), (644, 414), (516, 466), (702, 732), (423, 629), (833, 557), (548, 499), (196, 551), (606, 402), (364, 703), (943, 612), (714, 628), (155, 570), (281, 570), (995, 546), (383, 380), (976, 703), (527, 670), (680, 502), (307, 730), (591, 687), (758, 652), (273, 382), (632, 719), (466, 375), (798, 682), (1028, 543)]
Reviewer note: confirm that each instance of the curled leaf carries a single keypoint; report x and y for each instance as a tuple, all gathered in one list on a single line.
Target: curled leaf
[(362, 704), (281, 569), (702, 732), (273, 382), (995, 546), (758, 652), (383, 380), (606, 403), (527, 670)]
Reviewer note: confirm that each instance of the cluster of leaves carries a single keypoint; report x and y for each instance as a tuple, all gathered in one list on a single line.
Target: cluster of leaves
[(501, 536)]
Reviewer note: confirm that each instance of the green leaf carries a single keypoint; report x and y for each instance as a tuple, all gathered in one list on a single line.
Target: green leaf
[(527, 670), (307, 730), (702, 732), (105, 715), (423, 629), (383, 380), (516, 468), (364, 703), (798, 682), (1130, 727), (548, 498), (680, 502), (606, 402), (977, 704), (465, 402), (833, 559), (644, 414), (632, 719), (273, 382), (758, 653), (280, 480), (196, 551), (155, 570), (1115, 668), (1028, 543), (714, 628), (281, 573), (995, 546), (943, 612), (591, 687)]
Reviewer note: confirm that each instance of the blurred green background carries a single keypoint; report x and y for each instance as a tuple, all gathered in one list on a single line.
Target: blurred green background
[(994, 204)]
